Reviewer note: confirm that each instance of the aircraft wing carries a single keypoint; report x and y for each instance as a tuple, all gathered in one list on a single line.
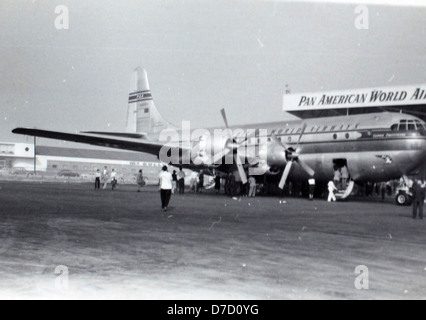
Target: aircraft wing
[(124, 143)]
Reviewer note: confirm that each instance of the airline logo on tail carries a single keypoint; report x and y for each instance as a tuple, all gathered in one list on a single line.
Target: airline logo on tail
[(140, 96)]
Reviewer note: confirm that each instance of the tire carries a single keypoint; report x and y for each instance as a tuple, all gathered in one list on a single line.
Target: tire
[(402, 199)]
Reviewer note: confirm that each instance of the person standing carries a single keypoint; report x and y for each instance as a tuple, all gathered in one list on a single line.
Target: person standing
[(311, 183), (232, 184), (105, 177), (194, 181), (166, 186), (337, 177), (345, 177), (98, 179), (113, 179), (201, 182), (383, 190), (217, 183), (253, 186), (418, 200), (140, 180), (175, 181), (181, 179), (331, 189)]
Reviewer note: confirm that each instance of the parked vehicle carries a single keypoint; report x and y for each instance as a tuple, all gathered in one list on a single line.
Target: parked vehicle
[(68, 174)]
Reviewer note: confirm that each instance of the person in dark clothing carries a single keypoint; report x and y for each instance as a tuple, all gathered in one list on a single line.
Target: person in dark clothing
[(418, 200), (232, 185), (217, 182), (98, 179), (201, 182), (175, 181)]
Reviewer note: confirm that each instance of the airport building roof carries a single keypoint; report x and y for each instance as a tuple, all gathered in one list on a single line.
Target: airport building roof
[(94, 154)]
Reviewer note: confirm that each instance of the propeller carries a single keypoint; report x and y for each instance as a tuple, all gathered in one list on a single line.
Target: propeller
[(232, 146), (293, 157)]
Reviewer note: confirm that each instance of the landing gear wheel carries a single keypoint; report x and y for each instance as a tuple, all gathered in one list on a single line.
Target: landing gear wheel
[(402, 200)]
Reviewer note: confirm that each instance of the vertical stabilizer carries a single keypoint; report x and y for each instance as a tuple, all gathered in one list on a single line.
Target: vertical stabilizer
[(143, 116)]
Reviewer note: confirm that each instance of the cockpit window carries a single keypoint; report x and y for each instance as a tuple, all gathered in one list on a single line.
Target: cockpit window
[(409, 125)]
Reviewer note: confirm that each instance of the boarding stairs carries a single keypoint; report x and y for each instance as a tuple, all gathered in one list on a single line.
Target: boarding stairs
[(344, 194)]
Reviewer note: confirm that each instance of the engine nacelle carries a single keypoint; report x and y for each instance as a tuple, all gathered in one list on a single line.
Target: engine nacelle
[(276, 155)]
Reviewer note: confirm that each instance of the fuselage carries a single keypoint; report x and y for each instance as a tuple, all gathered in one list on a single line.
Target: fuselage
[(374, 147)]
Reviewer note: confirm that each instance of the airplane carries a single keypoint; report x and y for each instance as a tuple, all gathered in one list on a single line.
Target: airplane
[(373, 147)]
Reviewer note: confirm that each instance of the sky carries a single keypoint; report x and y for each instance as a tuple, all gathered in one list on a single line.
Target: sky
[(200, 55)]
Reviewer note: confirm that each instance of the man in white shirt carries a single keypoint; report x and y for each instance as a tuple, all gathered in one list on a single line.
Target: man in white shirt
[(331, 189), (311, 182), (166, 186)]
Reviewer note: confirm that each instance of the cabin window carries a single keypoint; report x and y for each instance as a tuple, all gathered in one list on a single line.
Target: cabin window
[(395, 127), (411, 126), (335, 136), (333, 128), (325, 128)]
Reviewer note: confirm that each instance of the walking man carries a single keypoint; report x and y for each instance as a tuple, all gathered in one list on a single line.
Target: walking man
[(419, 198), (140, 180), (253, 186), (166, 186), (331, 189)]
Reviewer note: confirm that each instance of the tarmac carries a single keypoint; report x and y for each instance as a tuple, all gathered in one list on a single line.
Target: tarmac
[(68, 241)]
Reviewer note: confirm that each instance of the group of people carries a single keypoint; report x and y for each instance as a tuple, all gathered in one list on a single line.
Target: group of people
[(236, 188), (104, 178)]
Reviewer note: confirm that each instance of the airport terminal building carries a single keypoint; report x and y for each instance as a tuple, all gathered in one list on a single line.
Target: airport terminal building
[(24, 159)]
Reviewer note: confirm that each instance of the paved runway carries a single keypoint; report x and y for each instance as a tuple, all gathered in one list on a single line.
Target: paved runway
[(121, 245)]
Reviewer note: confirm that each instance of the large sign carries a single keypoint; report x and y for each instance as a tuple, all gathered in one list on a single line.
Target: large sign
[(360, 98)]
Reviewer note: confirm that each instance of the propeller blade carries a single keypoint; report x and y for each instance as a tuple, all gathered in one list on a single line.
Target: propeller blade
[(307, 168), (240, 167), (285, 174), (225, 118)]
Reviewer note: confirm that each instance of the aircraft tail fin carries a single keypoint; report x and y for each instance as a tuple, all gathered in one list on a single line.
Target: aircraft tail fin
[(143, 116)]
